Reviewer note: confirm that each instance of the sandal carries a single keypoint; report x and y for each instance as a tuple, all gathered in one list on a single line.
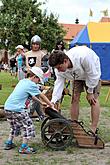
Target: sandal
[(26, 150), (9, 146)]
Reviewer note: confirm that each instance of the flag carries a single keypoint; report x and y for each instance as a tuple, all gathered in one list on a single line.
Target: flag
[(90, 13), (105, 12)]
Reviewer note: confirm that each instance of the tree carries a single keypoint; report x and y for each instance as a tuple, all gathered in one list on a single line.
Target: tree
[(21, 19)]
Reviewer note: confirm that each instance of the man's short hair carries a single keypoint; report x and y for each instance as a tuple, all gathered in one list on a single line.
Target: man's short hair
[(57, 57)]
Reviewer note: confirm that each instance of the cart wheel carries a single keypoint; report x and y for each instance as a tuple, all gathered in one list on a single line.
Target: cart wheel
[(45, 121), (57, 134)]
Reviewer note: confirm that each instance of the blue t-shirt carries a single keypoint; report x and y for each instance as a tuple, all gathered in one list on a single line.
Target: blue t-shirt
[(24, 89), (20, 61)]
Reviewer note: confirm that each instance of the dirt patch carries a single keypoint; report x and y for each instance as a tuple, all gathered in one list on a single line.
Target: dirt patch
[(45, 156)]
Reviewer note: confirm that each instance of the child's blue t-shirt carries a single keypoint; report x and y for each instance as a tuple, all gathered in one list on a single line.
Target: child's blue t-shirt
[(24, 89)]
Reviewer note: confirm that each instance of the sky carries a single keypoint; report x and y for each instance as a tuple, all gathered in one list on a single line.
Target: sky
[(69, 10)]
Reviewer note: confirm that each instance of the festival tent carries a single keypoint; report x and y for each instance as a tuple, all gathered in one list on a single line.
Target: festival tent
[(97, 37)]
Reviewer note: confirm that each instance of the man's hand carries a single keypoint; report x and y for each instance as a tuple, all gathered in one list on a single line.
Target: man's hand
[(91, 99)]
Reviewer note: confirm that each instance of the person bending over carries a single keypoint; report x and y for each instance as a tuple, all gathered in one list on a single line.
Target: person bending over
[(82, 65)]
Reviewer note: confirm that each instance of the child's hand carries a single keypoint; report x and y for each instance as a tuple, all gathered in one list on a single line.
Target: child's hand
[(52, 106), (44, 104)]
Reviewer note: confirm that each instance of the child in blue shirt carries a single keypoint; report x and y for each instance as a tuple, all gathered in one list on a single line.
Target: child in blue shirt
[(15, 109)]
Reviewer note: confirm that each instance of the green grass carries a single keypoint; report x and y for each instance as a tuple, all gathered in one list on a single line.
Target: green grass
[(8, 81), (47, 156)]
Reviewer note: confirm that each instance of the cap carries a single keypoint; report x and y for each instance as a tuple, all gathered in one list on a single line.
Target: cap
[(20, 47), (38, 72)]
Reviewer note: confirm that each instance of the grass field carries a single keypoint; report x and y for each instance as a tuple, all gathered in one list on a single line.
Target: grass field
[(45, 156), (9, 81)]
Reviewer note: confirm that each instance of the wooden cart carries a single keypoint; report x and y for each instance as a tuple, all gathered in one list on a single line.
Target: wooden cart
[(58, 133)]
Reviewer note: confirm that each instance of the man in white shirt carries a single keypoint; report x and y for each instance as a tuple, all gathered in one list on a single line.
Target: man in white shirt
[(81, 65)]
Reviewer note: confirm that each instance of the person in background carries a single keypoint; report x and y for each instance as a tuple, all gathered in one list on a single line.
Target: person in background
[(81, 65), (15, 111), (13, 66), (20, 58), (59, 46), (34, 58), (1, 65), (35, 55), (5, 61)]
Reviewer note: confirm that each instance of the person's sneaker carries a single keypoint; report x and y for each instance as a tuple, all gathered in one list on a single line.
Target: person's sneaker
[(9, 146), (26, 150)]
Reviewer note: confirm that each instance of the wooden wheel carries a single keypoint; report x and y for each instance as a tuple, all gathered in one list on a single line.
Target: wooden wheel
[(57, 134), (44, 122)]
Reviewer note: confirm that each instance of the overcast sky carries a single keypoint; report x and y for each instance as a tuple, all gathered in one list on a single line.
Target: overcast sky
[(69, 10)]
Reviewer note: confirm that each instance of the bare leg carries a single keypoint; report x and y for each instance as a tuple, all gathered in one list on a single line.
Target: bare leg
[(95, 112), (75, 107)]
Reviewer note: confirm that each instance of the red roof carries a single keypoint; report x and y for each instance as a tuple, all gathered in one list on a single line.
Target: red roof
[(105, 19), (72, 30)]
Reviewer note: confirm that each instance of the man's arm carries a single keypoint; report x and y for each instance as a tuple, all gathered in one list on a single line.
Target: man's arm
[(58, 89), (92, 72)]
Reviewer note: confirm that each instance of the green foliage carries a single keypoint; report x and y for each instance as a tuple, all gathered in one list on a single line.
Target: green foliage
[(21, 19)]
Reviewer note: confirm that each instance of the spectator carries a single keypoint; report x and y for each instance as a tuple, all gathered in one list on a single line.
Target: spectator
[(20, 58), (59, 46), (0, 65), (34, 58), (35, 55), (5, 61), (13, 67)]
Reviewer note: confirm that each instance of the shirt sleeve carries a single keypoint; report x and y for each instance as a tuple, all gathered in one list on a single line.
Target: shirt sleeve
[(58, 88), (92, 70)]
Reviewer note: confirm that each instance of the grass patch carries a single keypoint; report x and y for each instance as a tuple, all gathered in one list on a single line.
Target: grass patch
[(46, 156), (7, 82)]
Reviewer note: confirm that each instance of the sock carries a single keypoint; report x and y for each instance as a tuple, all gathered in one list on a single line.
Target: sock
[(24, 145)]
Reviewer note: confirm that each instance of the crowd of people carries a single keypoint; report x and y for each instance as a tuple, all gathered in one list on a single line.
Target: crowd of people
[(80, 64)]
